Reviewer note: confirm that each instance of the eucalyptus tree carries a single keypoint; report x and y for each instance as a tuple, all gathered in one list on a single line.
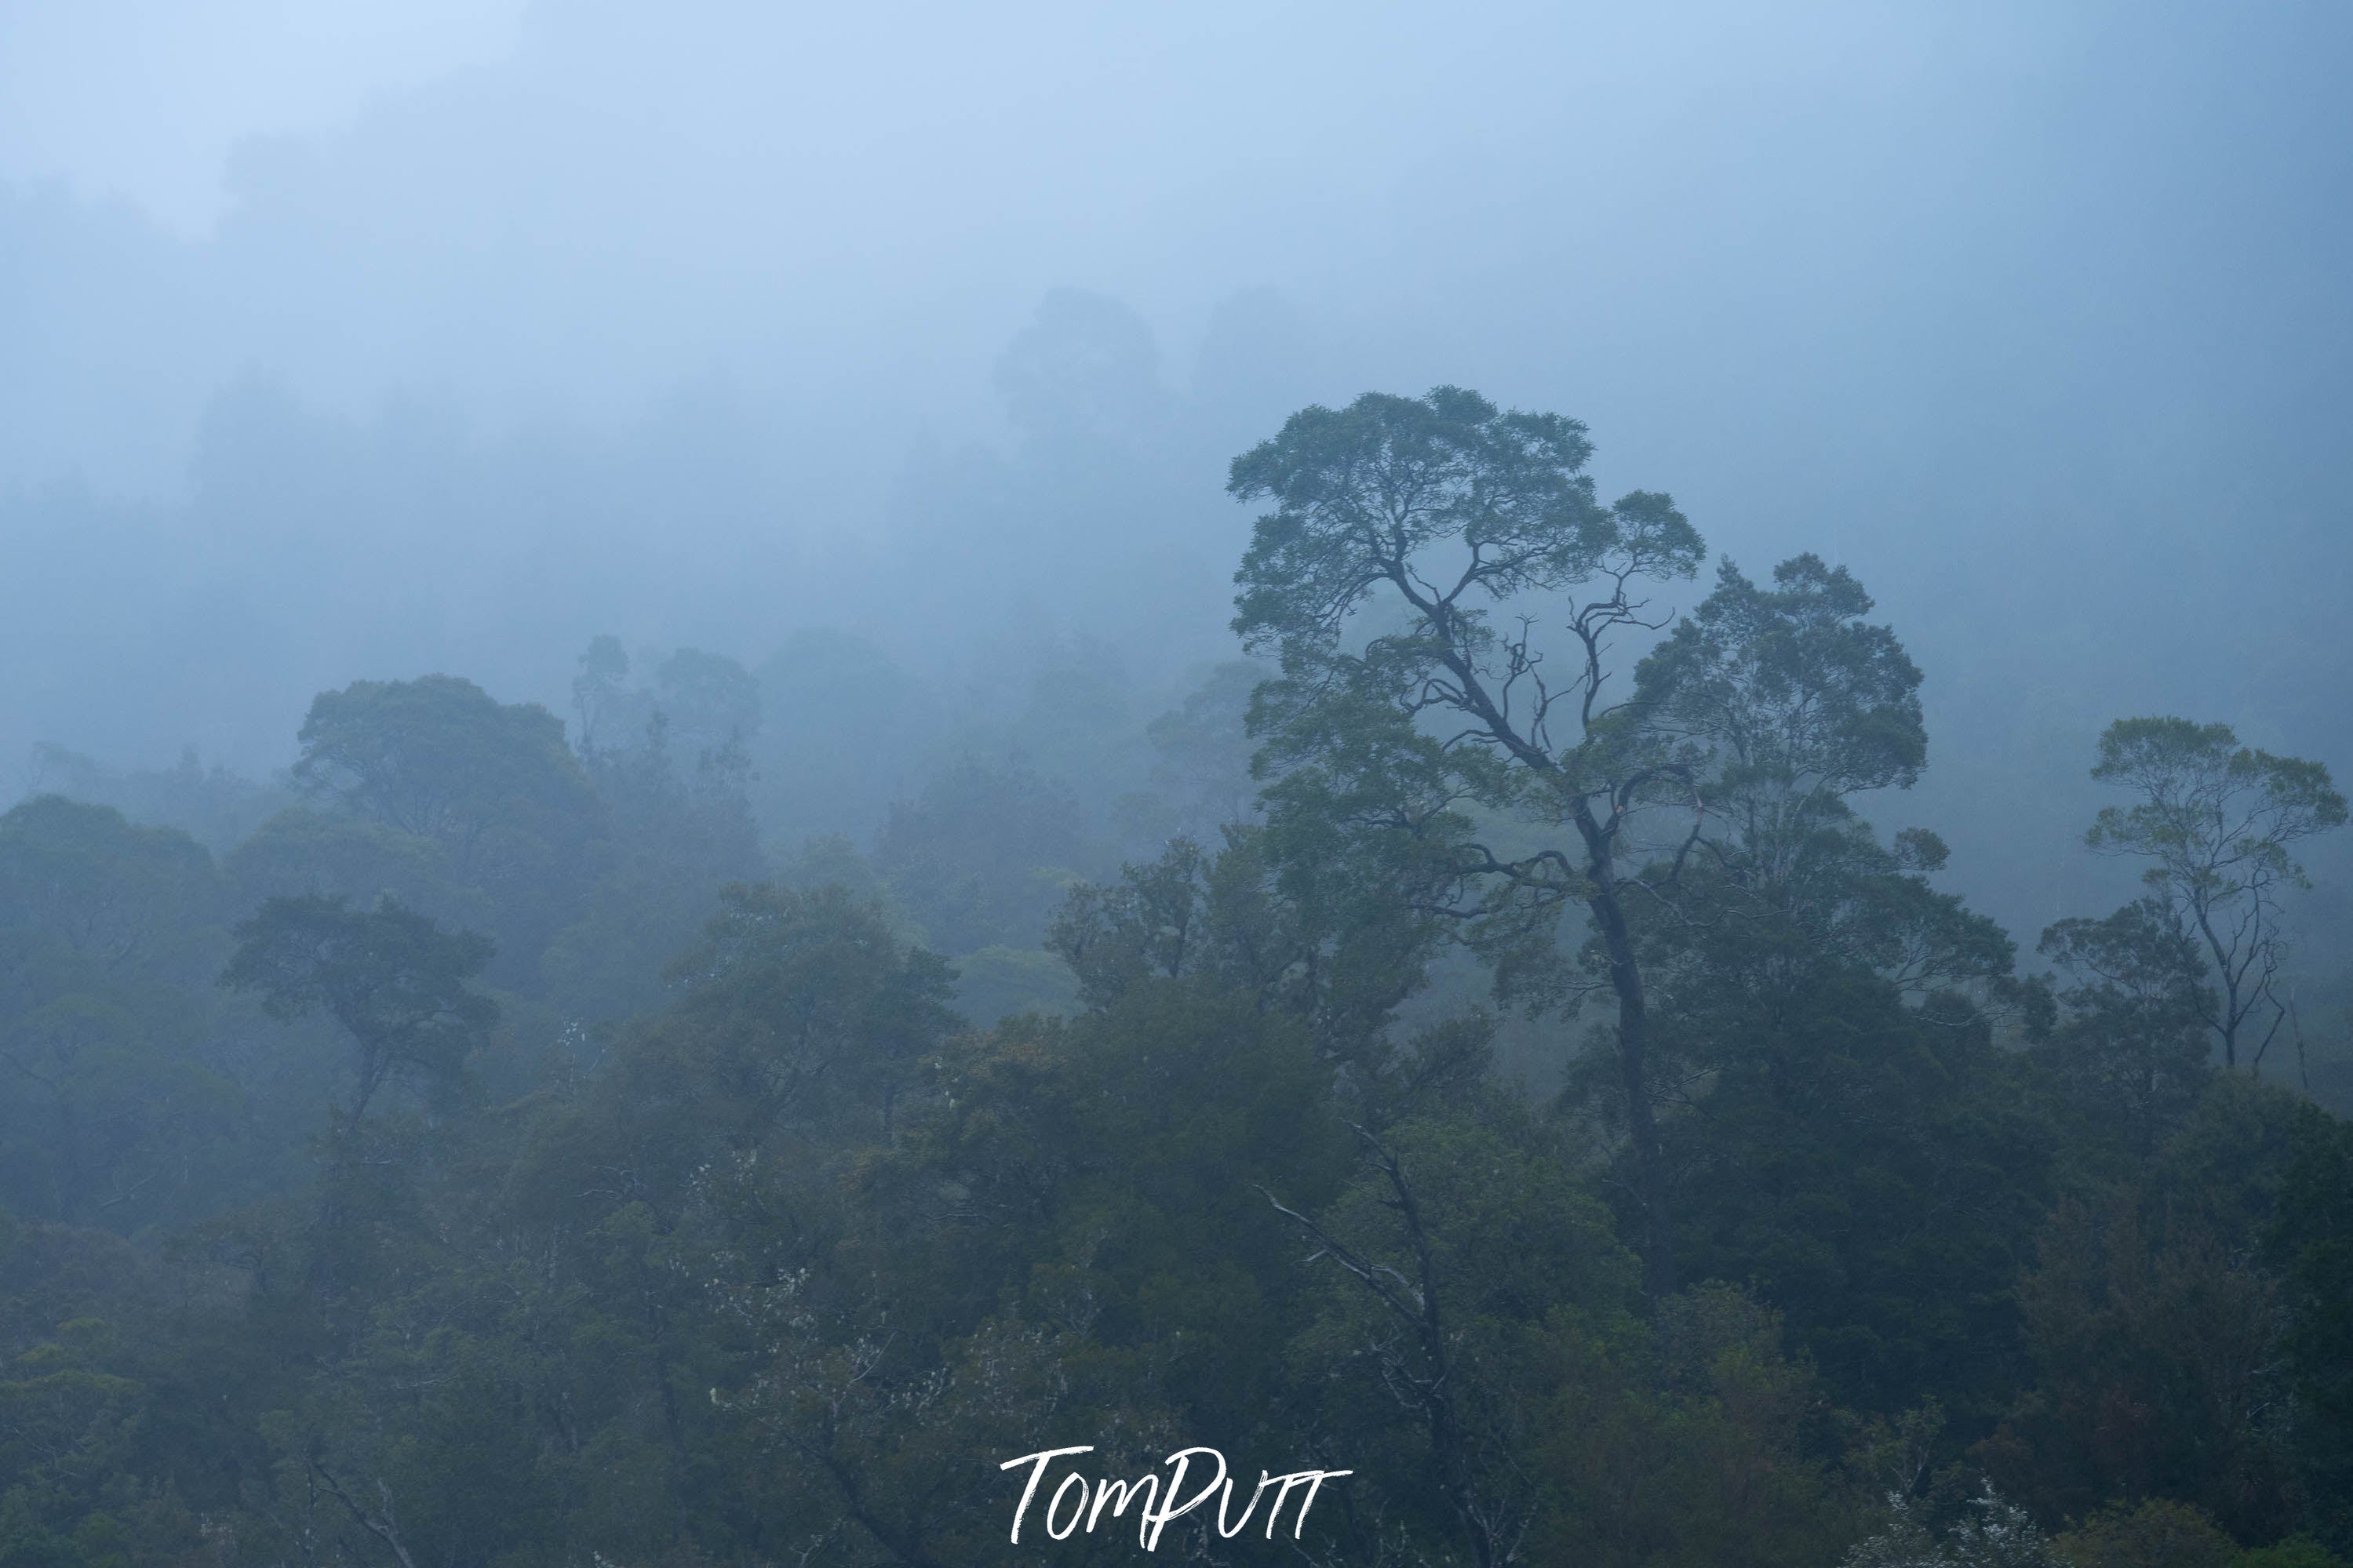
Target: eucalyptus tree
[(2215, 820), (1416, 721)]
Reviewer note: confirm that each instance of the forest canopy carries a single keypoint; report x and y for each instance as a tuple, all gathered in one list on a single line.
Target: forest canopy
[(1493, 1035)]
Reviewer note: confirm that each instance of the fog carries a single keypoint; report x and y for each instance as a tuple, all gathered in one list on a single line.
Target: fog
[(1548, 765), (437, 339)]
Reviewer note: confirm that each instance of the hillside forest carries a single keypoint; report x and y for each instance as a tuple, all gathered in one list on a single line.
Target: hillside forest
[(1495, 1033)]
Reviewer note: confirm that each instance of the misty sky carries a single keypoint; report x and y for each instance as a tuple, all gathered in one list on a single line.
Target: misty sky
[(373, 338), (144, 101)]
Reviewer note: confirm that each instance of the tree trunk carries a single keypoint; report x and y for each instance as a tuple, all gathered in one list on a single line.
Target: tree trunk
[(1633, 1062)]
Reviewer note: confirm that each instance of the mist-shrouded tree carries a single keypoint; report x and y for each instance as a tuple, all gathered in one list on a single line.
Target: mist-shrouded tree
[(1413, 545), (1783, 704), (2158, 1533), (1200, 779), (1085, 370), (598, 693), (1303, 940), (982, 855), (799, 1018), (114, 894), (439, 758), (2129, 1043), (1451, 1242), (472, 811), (2215, 820), (1803, 702), (393, 981), (211, 805), (793, 994), (713, 705), (672, 793), (1819, 1005), (700, 714)]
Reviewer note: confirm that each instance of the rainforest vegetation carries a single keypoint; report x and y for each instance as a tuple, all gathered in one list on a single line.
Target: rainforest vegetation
[(1497, 1033)]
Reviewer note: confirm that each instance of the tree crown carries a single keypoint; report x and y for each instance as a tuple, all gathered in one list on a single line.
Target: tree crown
[(1456, 504), (2215, 817)]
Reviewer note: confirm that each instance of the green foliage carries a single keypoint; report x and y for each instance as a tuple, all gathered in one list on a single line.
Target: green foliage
[(1449, 1265), (1698, 1442), (2311, 1242), (1992, 1533), (677, 838), (1795, 702), (1362, 493), (1781, 706), (2295, 1552), (1824, 1005), (393, 981), (474, 809), (1876, 1171), (304, 851), (2214, 815), (1333, 943), (439, 758), (1453, 511), (2130, 1050), (712, 705), (111, 1073), (2158, 1533), (102, 891), (2155, 1343), (998, 982), (1397, 739), (794, 1007)]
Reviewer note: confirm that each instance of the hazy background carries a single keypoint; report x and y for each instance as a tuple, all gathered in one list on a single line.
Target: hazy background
[(381, 339)]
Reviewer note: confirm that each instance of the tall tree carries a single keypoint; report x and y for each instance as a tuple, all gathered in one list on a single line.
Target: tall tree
[(1454, 526), (2215, 820), (393, 981)]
